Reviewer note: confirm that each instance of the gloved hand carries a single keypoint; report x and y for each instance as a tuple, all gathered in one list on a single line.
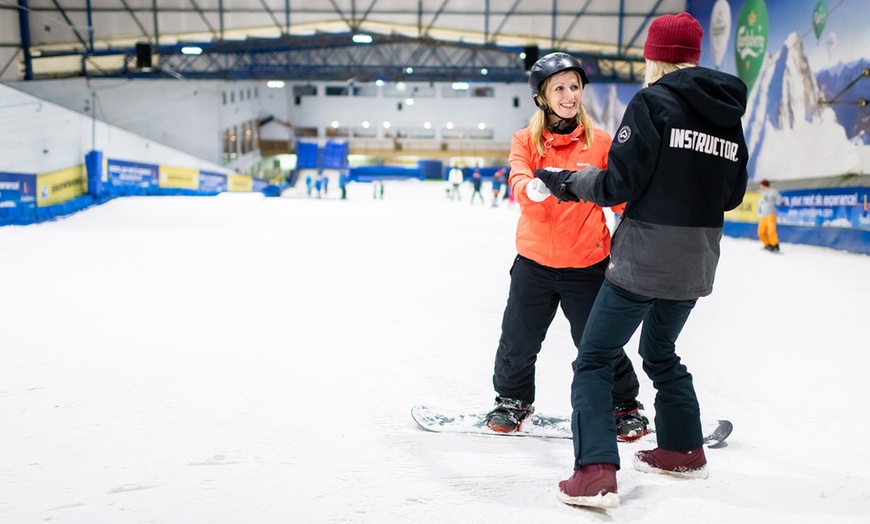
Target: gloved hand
[(556, 181), (536, 190)]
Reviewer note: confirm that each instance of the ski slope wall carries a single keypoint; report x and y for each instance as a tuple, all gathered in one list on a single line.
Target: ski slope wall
[(831, 217), (50, 168), (28, 198)]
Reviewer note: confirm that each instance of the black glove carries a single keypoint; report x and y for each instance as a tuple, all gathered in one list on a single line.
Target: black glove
[(556, 182)]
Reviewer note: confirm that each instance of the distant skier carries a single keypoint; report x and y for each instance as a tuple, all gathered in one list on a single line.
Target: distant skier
[(455, 179), (498, 180), (476, 184), (770, 198)]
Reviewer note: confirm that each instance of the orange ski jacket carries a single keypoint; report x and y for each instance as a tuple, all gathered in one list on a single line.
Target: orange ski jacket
[(566, 234)]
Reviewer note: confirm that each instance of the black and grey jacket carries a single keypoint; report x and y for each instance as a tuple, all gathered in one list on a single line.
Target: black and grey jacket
[(679, 161)]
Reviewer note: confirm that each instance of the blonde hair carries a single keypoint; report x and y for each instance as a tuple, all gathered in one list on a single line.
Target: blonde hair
[(538, 121), (656, 69)]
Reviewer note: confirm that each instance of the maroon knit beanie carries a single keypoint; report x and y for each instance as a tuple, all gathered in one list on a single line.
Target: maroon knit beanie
[(674, 39)]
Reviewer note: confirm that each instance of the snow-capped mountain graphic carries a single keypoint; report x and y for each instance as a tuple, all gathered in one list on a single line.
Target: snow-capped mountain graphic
[(841, 80), (790, 134), (604, 107)]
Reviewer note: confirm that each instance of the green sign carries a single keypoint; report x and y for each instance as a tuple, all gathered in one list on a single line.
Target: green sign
[(820, 16), (750, 40)]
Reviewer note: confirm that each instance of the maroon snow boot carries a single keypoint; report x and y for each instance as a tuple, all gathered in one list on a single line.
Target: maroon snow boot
[(686, 464), (591, 485)]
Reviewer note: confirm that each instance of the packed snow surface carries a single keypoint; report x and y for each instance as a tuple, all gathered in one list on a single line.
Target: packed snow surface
[(249, 359)]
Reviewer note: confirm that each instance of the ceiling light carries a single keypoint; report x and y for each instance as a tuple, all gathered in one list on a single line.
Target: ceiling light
[(362, 39), (191, 50)]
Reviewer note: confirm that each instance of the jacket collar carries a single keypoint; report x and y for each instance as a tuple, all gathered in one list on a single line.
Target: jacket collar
[(554, 140)]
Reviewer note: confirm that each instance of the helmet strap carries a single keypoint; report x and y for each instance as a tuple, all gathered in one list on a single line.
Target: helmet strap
[(563, 126)]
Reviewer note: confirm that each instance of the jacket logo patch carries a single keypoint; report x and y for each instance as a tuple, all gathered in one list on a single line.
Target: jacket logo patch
[(623, 135)]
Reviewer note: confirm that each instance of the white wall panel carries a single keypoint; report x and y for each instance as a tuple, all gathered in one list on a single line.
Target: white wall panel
[(40, 136)]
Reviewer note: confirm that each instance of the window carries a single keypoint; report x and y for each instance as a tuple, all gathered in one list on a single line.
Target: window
[(305, 132), (399, 89), (481, 134), (423, 91), (248, 137), (227, 145), (230, 142), (337, 91), (486, 92), (456, 132), (365, 132), (449, 92), (306, 90), (422, 132), (365, 90)]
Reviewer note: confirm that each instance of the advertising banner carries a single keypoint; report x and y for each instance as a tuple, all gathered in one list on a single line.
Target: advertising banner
[(17, 190), (240, 183), (179, 177), (842, 207), (131, 174), (747, 211), (212, 182), (845, 207), (259, 184), (60, 186)]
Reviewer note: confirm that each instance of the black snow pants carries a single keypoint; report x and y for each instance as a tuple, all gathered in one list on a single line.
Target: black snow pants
[(536, 292)]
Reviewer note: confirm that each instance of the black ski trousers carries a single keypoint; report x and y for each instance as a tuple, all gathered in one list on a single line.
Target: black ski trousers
[(536, 292)]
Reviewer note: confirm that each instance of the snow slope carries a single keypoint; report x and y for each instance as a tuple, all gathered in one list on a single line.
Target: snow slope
[(243, 359)]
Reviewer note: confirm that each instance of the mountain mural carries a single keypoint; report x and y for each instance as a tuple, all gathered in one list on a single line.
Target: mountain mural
[(841, 80), (789, 132), (605, 107)]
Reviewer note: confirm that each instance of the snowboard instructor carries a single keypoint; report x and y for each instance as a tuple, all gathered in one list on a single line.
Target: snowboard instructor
[(679, 161)]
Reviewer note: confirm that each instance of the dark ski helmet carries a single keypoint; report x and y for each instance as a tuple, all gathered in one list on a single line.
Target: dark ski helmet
[(549, 65)]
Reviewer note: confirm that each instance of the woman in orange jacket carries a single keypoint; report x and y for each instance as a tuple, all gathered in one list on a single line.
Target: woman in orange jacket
[(563, 248)]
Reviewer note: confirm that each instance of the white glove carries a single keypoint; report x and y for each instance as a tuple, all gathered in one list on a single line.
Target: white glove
[(536, 190)]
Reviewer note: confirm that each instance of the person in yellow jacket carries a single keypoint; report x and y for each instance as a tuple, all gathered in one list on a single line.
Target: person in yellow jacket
[(563, 248)]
